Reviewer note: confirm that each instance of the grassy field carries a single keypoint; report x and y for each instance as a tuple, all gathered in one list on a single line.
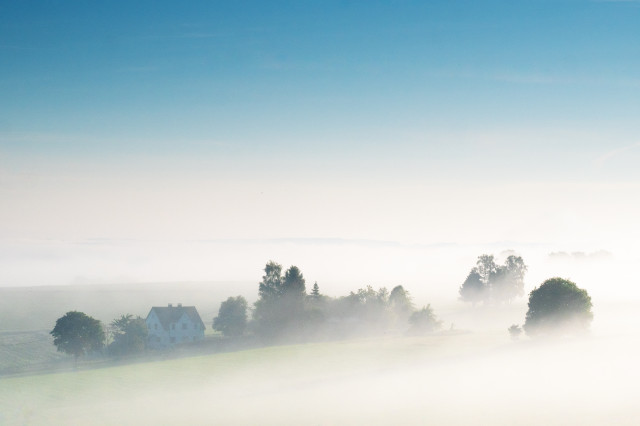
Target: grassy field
[(450, 378), (22, 351), (28, 314), (89, 395)]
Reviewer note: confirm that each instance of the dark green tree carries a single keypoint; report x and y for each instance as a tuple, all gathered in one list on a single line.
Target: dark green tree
[(558, 305), (76, 334), (129, 335), (232, 316), (473, 289), (424, 321), (271, 285), (293, 284), (280, 309)]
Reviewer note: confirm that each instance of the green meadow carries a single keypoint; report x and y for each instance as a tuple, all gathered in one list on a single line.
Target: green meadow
[(92, 394), (446, 378)]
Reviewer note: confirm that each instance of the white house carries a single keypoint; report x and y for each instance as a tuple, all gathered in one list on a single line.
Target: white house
[(171, 325)]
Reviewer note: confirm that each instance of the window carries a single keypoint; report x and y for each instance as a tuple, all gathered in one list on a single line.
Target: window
[(173, 326), (155, 326), (173, 340), (184, 325), (195, 326)]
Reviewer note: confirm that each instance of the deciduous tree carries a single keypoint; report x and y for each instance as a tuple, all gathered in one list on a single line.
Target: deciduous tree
[(271, 284), (232, 316), (400, 302), (129, 335), (558, 305), (424, 321), (473, 289), (489, 282), (76, 334)]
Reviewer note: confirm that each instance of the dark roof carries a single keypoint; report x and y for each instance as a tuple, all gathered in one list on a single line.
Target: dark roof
[(171, 314)]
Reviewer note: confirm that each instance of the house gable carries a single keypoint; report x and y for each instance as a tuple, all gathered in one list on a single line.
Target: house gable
[(170, 325)]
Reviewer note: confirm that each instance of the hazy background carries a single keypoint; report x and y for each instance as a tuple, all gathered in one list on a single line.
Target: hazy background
[(363, 142)]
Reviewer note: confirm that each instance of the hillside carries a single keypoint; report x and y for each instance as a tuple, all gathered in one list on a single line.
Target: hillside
[(469, 378)]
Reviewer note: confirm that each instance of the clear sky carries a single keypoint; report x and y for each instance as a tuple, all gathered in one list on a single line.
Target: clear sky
[(410, 122)]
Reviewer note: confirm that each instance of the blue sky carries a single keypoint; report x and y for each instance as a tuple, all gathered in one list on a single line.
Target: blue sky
[(409, 122), (316, 78)]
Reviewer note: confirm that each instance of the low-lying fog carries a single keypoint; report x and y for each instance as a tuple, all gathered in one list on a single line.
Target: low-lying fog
[(480, 377), (470, 373)]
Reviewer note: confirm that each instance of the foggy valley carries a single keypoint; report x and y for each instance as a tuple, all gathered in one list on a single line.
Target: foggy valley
[(319, 213), (469, 371)]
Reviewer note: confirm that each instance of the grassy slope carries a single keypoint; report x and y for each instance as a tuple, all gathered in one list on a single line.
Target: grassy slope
[(27, 351), (472, 378), (90, 395), (467, 378)]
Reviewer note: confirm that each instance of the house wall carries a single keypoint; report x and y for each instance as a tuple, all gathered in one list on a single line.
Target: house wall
[(185, 331), (158, 337), (182, 331)]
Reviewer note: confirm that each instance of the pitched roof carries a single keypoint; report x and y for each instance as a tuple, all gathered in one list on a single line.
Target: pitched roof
[(171, 314)]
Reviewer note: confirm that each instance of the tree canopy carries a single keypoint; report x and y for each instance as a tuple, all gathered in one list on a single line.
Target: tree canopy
[(271, 284), (473, 289), (293, 284), (558, 305), (129, 335), (232, 316), (76, 334), (400, 302), (281, 306), (424, 321), (284, 311), (489, 282), (315, 292)]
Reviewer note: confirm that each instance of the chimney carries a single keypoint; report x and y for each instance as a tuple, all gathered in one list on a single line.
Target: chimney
[(170, 305), (179, 305)]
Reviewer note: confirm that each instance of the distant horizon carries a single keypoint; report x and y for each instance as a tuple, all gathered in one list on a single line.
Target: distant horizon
[(351, 139)]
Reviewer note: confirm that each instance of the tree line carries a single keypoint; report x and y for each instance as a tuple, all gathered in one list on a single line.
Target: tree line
[(489, 282), (78, 334), (558, 305), (285, 311)]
